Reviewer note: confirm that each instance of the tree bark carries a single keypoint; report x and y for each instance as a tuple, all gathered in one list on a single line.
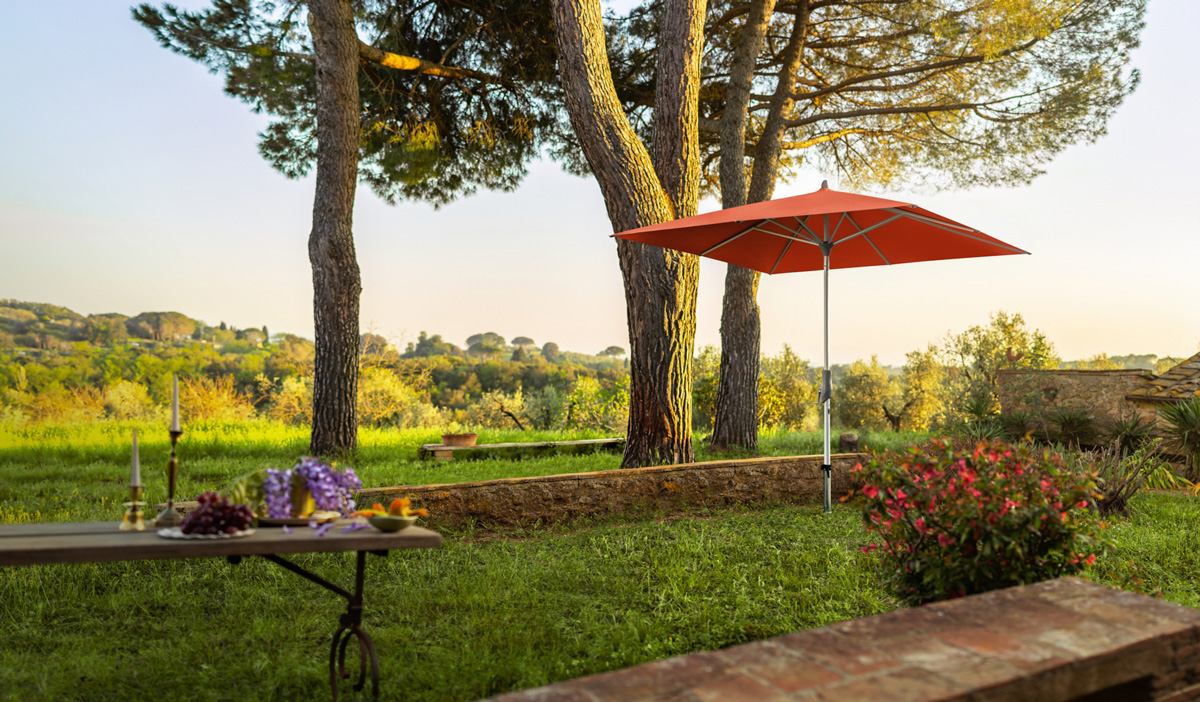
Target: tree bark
[(336, 282), (735, 420), (660, 284)]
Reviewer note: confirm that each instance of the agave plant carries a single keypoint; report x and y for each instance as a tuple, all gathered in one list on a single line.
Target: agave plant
[(1128, 433), (982, 430), (1075, 426), (1018, 424), (1182, 430), (1120, 476)]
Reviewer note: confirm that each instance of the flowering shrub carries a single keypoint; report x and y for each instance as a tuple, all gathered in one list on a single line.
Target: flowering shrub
[(951, 523)]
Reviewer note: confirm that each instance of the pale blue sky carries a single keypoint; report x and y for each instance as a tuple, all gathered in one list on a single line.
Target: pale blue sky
[(129, 182)]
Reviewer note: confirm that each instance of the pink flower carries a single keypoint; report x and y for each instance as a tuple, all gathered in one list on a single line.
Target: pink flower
[(920, 524), (944, 540), (1091, 560), (871, 491)]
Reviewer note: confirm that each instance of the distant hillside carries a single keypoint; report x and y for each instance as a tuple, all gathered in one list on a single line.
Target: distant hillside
[(44, 326), (40, 325), (1146, 361)]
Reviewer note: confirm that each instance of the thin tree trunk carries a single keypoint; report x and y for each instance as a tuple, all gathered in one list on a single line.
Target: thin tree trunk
[(660, 284), (735, 420), (336, 282)]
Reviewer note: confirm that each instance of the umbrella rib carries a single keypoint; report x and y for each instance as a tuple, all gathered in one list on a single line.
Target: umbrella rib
[(863, 232), (792, 236), (885, 260), (929, 220), (845, 216), (809, 232), (953, 229), (992, 243), (730, 240), (783, 253)]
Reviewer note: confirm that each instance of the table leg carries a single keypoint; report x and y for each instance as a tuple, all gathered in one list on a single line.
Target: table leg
[(349, 626)]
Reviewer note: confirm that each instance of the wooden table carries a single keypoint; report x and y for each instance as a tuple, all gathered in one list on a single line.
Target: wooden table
[(92, 542)]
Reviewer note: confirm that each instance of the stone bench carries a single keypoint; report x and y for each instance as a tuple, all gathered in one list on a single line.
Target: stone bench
[(1066, 639), (444, 452)]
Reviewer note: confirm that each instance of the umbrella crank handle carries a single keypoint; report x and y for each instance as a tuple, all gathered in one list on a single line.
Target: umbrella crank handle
[(826, 391)]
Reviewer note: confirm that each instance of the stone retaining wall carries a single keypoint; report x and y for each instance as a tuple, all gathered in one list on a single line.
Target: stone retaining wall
[(553, 498), (1066, 639)]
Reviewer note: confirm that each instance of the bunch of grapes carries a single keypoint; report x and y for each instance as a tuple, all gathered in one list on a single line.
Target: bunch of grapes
[(214, 515)]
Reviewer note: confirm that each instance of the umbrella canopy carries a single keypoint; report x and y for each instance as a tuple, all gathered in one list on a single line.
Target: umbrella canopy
[(786, 235), (818, 231)]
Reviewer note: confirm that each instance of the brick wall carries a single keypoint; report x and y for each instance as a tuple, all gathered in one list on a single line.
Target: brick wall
[(1066, 639), (553, 498)]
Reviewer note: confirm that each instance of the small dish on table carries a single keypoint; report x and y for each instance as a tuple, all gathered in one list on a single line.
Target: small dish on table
[(318, 517), (388, 523)]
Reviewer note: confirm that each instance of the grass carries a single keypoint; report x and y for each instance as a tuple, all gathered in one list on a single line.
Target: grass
[(474, 618), (486, 613), (86, 466)]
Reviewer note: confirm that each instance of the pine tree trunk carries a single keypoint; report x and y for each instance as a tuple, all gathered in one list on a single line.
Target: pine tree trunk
[(336, 283), (660, 298), (735, 420), (660, 284)]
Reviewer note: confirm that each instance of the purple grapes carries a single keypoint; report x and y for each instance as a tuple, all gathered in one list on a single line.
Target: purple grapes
[(214, 515)]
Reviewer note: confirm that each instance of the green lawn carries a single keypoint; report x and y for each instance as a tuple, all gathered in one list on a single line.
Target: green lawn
[(76, 472), (474, 618), (486, 613)]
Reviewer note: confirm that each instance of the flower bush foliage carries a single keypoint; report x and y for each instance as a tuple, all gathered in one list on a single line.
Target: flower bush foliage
[(951, 522)]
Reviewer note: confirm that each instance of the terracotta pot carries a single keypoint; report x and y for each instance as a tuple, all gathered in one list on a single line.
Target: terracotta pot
[(459, 439)]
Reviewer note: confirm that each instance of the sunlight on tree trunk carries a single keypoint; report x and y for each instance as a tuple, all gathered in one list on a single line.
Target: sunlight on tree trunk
[(639, 190), (336, 283)]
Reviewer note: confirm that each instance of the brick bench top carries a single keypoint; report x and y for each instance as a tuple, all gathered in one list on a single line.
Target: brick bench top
[(1063, 639)]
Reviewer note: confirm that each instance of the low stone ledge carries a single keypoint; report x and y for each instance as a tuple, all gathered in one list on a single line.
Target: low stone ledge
[(554, 498), (1066, 639)]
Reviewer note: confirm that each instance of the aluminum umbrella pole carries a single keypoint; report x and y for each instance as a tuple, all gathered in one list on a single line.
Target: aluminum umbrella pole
[(826, 385)]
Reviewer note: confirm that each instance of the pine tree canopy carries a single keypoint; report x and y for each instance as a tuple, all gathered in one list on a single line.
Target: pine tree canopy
[(455, 95), (943, 92)]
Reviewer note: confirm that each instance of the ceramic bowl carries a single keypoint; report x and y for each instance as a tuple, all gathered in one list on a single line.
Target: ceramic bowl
[(384, 522)]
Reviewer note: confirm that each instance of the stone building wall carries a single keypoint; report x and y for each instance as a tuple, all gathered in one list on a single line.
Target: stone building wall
[(1101, 393)]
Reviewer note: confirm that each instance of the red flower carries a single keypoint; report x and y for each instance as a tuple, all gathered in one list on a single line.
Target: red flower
[(871, 491)]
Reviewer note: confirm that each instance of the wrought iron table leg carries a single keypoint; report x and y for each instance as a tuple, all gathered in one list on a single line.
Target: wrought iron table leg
[(349, 626)]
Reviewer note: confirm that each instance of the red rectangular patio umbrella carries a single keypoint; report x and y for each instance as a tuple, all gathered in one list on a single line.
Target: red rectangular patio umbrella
[(800, 233)]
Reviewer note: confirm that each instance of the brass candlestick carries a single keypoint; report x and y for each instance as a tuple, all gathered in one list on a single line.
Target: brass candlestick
[(170, 517), (132, 521)]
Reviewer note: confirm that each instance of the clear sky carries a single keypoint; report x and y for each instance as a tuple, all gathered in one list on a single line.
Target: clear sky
[(129, 182)]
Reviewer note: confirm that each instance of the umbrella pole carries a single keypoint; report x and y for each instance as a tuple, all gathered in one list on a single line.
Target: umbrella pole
[(826, 465)]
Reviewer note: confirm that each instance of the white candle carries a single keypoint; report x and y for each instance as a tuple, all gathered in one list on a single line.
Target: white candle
[(136, 479), (175, 403)]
